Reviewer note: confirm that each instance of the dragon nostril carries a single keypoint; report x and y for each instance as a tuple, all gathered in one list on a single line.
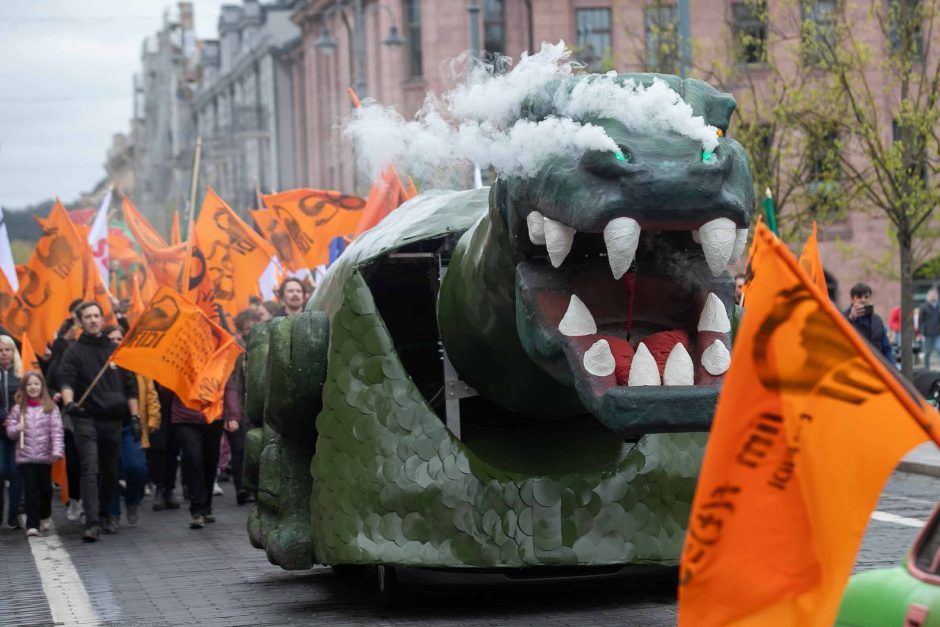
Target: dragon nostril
[(709, 156)]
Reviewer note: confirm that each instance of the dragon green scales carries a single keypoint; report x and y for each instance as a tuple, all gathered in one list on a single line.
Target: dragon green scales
[(445, 402)]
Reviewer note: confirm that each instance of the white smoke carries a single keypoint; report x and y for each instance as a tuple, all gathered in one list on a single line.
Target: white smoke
[(480, 120)]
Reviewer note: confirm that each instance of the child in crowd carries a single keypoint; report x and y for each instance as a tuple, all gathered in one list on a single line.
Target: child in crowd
[(35, 426)]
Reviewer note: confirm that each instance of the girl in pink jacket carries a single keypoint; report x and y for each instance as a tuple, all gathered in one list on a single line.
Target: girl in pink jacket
[(35, 425)]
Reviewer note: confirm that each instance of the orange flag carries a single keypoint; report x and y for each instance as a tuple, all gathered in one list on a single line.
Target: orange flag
[(60, 476), (163, 261), (314, 217), (175, 229), (384, 197), (232, 249), (274, 231), (95, 289), (174, 343), (811, 262), (53, 278), (137, 301), (809, 425), (28, 356)]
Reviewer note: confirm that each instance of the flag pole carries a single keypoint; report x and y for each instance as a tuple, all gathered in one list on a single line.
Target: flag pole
[(184, 277), (771, 212), (94, 382)]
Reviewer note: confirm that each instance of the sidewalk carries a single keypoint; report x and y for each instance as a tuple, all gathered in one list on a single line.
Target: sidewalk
[(923, 460)]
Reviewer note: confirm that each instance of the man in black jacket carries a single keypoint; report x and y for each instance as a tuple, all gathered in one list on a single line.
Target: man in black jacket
[(97, 422)]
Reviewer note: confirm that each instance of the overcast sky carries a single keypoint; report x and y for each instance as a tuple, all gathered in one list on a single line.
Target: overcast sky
[(66, 71)]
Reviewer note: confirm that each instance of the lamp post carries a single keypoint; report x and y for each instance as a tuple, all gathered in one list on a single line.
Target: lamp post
[(327, 43), (474, 10)]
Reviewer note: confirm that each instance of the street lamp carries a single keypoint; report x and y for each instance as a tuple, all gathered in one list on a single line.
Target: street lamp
[(326, 42)]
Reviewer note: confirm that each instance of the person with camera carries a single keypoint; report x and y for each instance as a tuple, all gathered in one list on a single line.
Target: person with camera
[(97, 418), (861, 314)]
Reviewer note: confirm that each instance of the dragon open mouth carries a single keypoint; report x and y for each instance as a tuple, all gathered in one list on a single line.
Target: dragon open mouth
[(623, 312)]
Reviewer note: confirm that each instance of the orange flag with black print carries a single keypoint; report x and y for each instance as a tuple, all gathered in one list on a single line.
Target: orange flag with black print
[(276, 232), (314, 217), (53, 278), (137, 301), (235, 255), (164, 262), (809, 426), (811, 262), (176, 344)]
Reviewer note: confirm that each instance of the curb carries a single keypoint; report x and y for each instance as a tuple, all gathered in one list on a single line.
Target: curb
[(919, 468)]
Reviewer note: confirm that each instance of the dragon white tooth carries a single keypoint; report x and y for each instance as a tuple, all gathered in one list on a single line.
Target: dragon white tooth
[(717, 237), (578, 320), (558, 240), (598, 360), (695, 237), (714, 316), (716, 358), (643, 369), (536, 223), (740, 243), (679, 367), (621, 236)]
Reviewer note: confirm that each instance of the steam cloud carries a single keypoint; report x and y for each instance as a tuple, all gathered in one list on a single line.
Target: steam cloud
[(480, 120)]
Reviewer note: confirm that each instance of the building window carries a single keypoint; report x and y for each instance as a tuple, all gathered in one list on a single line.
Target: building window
[(823, 171), (594, 39), (494, 26), (905, 22), (412, 13), (749, 26), (662, 38), (818, 33)]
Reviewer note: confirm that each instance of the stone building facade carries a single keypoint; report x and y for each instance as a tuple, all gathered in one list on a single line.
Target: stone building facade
[(162, 130), (243, 103)]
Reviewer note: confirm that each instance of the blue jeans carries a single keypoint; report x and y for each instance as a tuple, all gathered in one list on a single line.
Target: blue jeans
[(133, 469), (931, 344), (9, 472)]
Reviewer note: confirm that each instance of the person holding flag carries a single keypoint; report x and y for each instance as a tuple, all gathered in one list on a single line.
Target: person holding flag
[(97, 395)]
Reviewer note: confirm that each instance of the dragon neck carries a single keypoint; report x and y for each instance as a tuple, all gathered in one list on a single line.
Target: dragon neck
[(477, 319)]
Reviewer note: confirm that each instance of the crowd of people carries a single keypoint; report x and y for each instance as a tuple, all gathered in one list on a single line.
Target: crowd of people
[(121, 435)]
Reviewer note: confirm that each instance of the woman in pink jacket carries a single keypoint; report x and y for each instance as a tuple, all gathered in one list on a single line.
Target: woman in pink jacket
[(35, 425)]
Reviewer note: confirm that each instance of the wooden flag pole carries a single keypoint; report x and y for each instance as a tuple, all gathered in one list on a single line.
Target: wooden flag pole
[(94, 382), (184, 277), (258, 199)]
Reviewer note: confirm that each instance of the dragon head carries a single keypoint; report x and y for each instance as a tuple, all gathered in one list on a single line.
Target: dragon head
[(621, 288)]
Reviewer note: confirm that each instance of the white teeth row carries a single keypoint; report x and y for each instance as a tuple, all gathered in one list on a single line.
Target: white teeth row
[(680, 370), (722, 242)]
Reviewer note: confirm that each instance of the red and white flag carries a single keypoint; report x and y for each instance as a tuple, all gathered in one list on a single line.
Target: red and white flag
[(98, 239)]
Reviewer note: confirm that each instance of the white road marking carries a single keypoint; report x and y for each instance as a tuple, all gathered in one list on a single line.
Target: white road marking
[(898, 520), (64, 590)]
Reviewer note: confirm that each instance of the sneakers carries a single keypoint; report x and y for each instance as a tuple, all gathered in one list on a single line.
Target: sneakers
[(109, 525), (244, 497), (217, 489), (170, 500), (74, 510), (91, 534), (149, 489), (198, 522), (32, 532), (45, 524), (210, 517), (132, 516), (159, 500)]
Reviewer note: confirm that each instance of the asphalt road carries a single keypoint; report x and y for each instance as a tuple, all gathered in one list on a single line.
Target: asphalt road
[(162, 573)]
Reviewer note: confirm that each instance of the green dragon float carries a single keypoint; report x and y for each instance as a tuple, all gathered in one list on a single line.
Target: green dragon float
[(514, 377)]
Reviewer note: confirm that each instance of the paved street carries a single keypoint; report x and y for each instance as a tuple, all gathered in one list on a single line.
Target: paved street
[(162, 573)]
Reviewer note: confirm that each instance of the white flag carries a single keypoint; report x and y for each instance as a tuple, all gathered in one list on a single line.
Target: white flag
[(98, 240), (268, 280), (6, 255)]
